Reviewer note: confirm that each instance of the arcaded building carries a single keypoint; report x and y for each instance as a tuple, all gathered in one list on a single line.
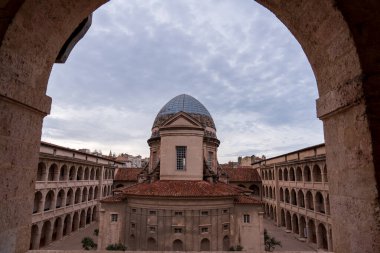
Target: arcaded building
[(179, 203), (296, 194), (68, 188)]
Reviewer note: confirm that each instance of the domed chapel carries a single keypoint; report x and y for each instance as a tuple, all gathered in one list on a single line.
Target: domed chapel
[(182, 201)]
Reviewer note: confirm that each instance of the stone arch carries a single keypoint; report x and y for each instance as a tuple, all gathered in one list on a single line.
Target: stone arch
[(60, 196), (309, 201), (299, 174), (45, 238), (281, 194), (322, 237), (70, 197), (37, 207), (77, 196), (94, 213), (226, 243), (303, 231), (88, 216), (292, 174), (317, 174), (67, 225), (280, 174), (96, 192), (91, 193), (301, 198), (49, 198), (80, 173), (295, 224), (286, 175), (151, 244), (307, 174), (104, 191), (319, 203), (41, 172), (325, 178), (282, 218), (84, 194), (288, 221), (34, 243), (86, 174), (63, 173), (338, 72), (205, 245), (287, 196), (72, 173), (270, 192), (53, 172), (75, 224), (97, 174), (311, 231), (293, 197), (92, 174), (82, 222), (57, 229), (178, 245), (269, 175)]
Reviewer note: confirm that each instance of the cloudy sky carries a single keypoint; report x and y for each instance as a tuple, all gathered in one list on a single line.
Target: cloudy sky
[(234, 56)]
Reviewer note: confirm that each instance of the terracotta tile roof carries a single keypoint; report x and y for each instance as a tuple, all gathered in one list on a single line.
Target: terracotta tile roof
[(178, 188), (127, 174), (113, 199), (241, 174), (247, 200)]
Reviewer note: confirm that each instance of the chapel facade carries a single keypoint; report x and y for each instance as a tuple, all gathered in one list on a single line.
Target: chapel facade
[(179, 202)]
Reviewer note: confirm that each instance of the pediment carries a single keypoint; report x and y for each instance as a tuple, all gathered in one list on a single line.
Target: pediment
[(182, 119)]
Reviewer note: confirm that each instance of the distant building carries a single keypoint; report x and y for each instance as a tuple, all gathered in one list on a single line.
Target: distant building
[(130, 161), (68, 188), (296, 194), (179, 203)]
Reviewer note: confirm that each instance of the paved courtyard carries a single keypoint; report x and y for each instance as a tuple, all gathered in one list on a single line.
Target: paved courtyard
[(73, 241), (288, 240)]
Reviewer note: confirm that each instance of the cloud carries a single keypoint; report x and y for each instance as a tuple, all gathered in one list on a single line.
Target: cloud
[(233, 56)]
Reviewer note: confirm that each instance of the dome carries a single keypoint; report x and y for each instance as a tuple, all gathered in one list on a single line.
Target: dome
[(188, 104)]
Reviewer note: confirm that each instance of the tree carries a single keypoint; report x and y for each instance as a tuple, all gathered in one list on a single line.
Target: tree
[(116, 247), (270, 242), (88, 243)]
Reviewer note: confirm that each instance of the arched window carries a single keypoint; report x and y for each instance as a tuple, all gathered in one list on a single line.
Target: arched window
[(80, 173), (49, 201), (59, 200), (82, 222), (84, 194), (72, 174), (92, 174), (69, 197), (291, 174), (96, 192), (281, 195), (86, 173), (37, 207), (77, 195), (295, 224), (205, 244), (301, 198), (53, 172), (302, 227), (287, 196), (63, 173), (309, 201), (282, 214), (320, 203), (34, 243), (286, 174), (307, 174), (280, 174), (293, 197), (57, 227), (311, 232), (152, 244), (322, 237), (45, 234), (41, 172), (288, 221), (299, 174), (75, 224), (317, 174), (67, 225), (177, 245)]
